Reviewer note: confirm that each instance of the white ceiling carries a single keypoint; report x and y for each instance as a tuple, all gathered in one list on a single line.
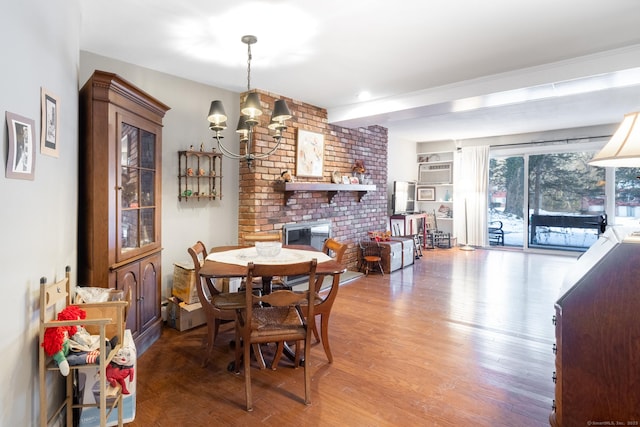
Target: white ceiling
[(435, 70)]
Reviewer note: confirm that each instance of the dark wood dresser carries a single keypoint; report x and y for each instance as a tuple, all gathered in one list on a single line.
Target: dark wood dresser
[(598, 336)]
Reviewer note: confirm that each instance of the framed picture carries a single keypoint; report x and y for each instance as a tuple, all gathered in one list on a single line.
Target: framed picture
[(309, 154), (354, 180), (426, 193), (49, 137), (21, 161), (345, 179)]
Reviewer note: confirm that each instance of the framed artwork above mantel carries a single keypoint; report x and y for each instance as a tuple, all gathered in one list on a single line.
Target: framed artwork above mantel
[(309, 154)]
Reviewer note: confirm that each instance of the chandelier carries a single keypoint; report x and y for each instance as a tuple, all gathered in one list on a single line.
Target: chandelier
[(250, 112)]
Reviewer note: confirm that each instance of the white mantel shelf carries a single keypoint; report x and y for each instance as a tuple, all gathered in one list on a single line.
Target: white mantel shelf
[(290, 188)]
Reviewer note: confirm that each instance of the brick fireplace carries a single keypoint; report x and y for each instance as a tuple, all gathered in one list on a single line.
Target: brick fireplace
[(262, 204)]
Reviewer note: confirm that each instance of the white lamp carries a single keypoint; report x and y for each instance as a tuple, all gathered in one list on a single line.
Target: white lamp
[(623, 149)]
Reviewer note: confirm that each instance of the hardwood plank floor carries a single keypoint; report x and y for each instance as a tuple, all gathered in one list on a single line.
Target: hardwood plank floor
[(460, 339)]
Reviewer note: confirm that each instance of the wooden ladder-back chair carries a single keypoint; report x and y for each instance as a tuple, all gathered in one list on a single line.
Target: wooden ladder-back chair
[(323, 305), (105, 319), (212, 300), (278, 317)]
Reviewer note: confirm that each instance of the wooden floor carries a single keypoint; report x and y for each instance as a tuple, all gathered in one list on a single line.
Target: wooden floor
[(460, 339)]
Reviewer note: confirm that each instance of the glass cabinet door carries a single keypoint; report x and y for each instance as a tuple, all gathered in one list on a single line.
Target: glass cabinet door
[(137, 196)]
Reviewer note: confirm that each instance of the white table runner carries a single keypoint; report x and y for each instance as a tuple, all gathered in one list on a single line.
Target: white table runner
[(286, 256)]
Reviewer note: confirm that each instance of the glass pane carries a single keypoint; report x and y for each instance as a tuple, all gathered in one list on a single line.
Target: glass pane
[(148, 143), (506, 200), (627, 196), (129, 229), (147, 189), (566, 196), (129, 145), (129, 188), (147, 217)]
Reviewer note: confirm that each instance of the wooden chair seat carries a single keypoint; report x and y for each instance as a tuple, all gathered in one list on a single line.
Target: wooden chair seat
[(269, 321), (228, 301)]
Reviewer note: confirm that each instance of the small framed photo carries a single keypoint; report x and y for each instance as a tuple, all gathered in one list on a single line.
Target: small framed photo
[(426, 193), (49, 132), (21, 161), (309, 154), (354, 180), (345, 179)]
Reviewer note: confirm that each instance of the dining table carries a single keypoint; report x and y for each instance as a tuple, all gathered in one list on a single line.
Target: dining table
[(232, 261)]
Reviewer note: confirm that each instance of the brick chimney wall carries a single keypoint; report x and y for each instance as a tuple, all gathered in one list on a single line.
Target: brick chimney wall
[(262, 206)]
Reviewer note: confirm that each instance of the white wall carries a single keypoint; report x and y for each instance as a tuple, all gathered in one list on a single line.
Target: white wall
[(185, 124), (401, 164), (38, 218)]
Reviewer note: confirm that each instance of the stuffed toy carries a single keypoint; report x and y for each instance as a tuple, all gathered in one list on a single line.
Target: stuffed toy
[(285, 176), (73, 345), (56, 340), (121, 368)]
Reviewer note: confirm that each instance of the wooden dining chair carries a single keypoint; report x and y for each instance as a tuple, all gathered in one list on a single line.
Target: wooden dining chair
[(281, 316), (323, 304), (262, 236), (250, 239), (218, 307)]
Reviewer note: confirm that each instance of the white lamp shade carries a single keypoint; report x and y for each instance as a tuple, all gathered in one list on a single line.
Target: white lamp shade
[(623, 149)]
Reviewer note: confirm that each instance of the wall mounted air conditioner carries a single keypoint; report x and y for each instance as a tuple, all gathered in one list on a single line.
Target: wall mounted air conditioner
[(435, 173)]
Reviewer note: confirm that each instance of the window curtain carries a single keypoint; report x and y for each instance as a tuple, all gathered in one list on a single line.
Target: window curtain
[(471, 178)]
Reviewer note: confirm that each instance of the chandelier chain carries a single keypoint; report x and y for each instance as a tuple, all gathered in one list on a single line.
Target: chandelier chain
[(248, 66), (249, 112)]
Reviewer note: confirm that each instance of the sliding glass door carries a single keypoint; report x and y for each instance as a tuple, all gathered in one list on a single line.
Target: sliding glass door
[(566, 200), (546, 196)]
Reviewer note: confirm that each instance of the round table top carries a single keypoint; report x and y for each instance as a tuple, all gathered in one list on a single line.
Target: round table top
[(231, 261)]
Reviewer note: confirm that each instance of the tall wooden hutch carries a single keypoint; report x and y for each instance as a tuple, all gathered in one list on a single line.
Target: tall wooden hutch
[(120, 168)]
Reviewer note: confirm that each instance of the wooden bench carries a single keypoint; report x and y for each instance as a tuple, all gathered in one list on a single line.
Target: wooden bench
[(595, 222)]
